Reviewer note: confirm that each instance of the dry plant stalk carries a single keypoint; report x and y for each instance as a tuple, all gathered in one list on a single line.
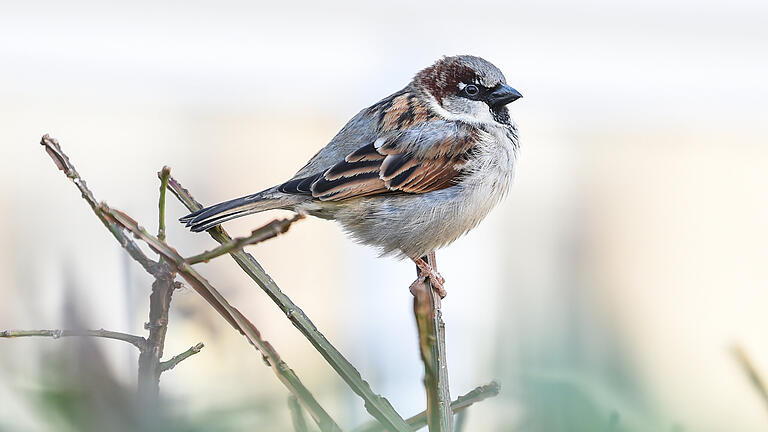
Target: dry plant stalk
[(171, 262), (460, 404), (150, 348), (439, 413), (159, 307), (170, 364), (286, 375), (378, 406), (429, 320), (137, 341)]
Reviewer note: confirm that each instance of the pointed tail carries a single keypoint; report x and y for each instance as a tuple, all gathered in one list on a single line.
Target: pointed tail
[(209, 217)]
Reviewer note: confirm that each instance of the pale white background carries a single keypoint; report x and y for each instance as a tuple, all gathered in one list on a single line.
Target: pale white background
[(629, 256)]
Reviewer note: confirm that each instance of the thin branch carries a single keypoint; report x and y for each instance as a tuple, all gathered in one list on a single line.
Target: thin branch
[(62, 162), (137, 341), (297, 417), (164, 174), (461, 403), (429, 320), (751, 371), (159, 308), (172, 257), (268, 231), (170, 364), (476, 395), (108, 217), (377, 406), (230, 313)]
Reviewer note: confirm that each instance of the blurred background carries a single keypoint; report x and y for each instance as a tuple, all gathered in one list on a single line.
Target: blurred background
[(605, 293)]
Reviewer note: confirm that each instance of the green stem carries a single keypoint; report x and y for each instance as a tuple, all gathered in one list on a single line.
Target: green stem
[(170, 364), (461, 403), (117, 221), (286, 375), (429, 320), (165, 173), (268, 231), (378, 406)]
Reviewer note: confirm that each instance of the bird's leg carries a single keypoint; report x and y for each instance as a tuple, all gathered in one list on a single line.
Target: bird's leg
[(427, 271)]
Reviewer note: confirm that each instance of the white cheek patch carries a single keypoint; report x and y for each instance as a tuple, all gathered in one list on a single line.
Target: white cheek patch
[(481, 112)]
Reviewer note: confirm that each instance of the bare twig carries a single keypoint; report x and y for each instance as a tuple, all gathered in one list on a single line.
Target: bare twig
[(297, 417), (751, 371), (429, 320), (62, 162), (164, 174), (170, 364), (159, 307), (377, 406), (171, 258), (268, 231), (461, 403), (137, 341), (231, 314)]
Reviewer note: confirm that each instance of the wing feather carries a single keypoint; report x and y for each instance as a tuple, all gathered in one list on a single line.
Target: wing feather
[(426, 156)]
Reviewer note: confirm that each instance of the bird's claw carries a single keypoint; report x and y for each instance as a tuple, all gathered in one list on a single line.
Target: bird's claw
[(437, 284), (426, 271)]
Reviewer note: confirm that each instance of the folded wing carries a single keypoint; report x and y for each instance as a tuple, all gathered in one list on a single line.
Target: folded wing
[(424, 158)]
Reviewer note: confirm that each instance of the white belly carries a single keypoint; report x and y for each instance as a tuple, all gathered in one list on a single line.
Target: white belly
[(412, 225)]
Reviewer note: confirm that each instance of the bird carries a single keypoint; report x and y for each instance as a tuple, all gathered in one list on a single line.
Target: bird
[(409, 174)]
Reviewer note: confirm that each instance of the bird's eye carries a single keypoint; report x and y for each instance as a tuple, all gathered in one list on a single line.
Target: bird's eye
[(471, 90)]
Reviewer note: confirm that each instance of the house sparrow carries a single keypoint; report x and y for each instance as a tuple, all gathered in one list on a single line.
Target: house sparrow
[(409, 174)]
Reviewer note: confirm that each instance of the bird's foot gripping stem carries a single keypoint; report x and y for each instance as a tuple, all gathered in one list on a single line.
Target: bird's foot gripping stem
[(426, 271)]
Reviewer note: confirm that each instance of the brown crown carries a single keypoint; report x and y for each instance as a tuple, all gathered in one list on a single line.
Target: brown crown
[(443, 77)]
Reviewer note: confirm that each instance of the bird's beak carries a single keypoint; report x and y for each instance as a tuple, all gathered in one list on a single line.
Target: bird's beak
[(503, 95)]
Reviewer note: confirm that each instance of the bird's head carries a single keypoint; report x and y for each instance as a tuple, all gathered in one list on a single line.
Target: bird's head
[(467, 88)]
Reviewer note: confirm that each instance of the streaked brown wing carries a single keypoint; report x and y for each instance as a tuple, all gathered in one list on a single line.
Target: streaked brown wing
[(416, 161)]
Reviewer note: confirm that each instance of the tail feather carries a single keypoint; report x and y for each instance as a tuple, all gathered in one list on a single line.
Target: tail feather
[(207, 224), (217, 209), (209, 217)]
